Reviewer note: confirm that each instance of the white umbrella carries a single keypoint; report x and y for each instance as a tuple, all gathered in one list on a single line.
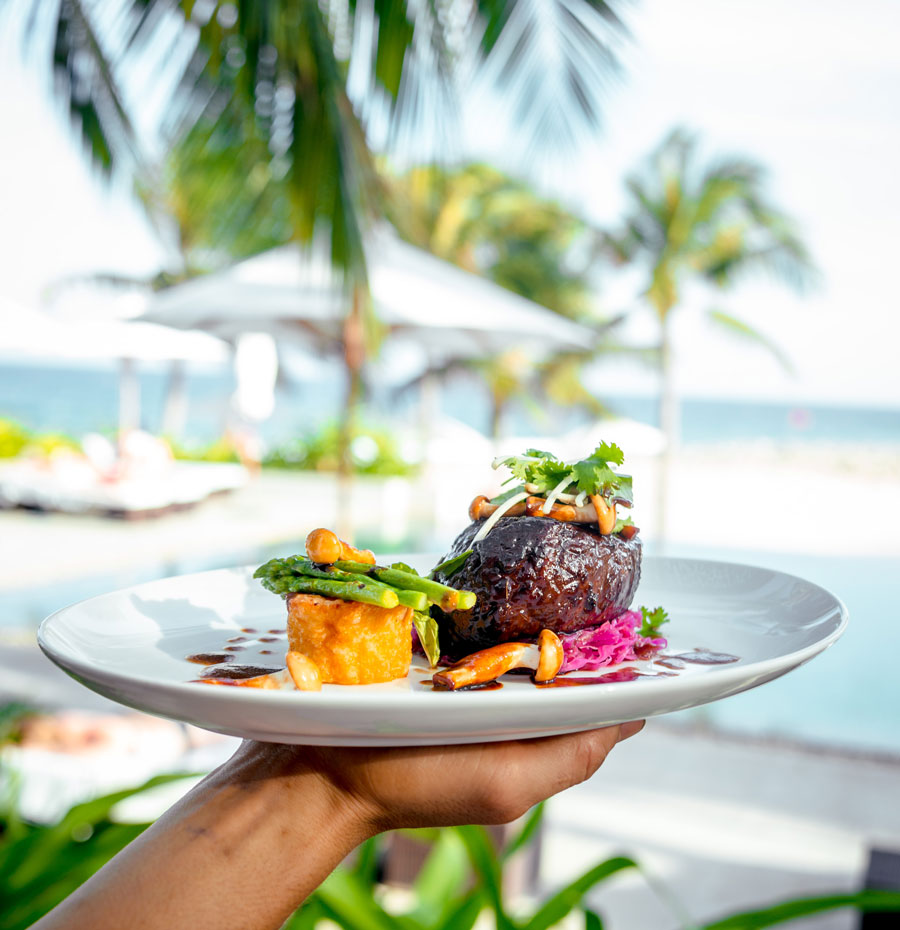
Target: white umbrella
[(447, 311), (31, 334)]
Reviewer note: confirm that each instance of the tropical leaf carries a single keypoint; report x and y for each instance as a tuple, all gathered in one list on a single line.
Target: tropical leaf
[(42, 865), (745, 331), (556, 907), (529, 831), (872, 901), (553, 60), (486, 865)]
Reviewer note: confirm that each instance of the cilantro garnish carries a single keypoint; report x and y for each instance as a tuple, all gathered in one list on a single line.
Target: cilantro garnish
[(593, 475), (653, 620)]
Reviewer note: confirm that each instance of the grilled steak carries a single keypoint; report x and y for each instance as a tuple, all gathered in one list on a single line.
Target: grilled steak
[(533, 572)]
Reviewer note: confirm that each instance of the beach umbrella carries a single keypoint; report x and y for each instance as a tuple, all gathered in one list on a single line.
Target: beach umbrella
[(290, 292), (28, 333)]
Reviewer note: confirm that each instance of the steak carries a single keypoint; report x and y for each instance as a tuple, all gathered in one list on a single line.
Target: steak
[(531, 573)]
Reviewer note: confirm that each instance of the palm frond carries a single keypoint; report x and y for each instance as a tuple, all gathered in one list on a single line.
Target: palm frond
[(553, 61), (85, 81), (743, 330)]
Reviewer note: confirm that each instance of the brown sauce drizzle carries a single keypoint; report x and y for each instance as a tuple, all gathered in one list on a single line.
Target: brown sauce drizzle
[(209, 658), (238, 639), (494, 685), (669, 662), (247, 629), (265, 652), (235, 648), (705, 657), (237, 671), (623, 674), (268, 639), (277, 632)]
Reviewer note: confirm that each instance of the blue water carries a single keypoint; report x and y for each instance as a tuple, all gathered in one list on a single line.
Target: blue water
[(847, 696), (76, 401)]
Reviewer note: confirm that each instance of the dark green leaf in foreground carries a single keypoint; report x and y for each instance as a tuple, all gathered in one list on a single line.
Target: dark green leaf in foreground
[(556, 908), (872, 901)]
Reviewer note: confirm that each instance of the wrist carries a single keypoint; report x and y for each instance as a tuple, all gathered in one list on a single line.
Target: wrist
[(303, 792)]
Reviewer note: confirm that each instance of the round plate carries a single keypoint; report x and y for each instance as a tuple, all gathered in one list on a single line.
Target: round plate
[(131, 646)]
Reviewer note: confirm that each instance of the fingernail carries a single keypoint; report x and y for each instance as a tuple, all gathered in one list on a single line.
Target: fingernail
[(630, 728)]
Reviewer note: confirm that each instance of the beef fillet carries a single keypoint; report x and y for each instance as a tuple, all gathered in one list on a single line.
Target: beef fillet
[(534, 572)]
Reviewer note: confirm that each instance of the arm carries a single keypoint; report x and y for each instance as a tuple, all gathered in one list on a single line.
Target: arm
[(249, 844)]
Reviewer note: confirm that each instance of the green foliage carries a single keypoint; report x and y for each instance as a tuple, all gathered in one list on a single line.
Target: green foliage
[(652, 620), (460, 880), (40, 865), (276, 75), (372, 452), (491, 224), (16, 440), (592, 475), (873, 901), (222, 450), (48, 443), (13, 439), (712, 222)]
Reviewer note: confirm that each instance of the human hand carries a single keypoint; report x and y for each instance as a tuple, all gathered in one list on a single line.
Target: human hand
[(432, 786), (250, 842)]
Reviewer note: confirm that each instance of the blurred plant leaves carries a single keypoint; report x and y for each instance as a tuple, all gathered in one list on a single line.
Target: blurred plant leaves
[(40, 865), (872, 901), (282, 72)]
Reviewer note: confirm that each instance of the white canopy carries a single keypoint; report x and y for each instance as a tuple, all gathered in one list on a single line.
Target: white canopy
[(30, 333), (447, 311)]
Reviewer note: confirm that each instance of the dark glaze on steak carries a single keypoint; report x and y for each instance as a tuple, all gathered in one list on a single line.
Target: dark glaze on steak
[(534, 572)]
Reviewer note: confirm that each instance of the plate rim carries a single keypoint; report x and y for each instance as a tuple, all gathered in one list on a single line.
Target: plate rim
[(83, 670)]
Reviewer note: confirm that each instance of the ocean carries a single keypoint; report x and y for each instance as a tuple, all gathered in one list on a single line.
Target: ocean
[(79, 400)]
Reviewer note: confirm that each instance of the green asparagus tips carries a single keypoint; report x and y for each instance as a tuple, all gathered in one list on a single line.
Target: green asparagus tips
[(380, 596), (444, 596), (356, 581)]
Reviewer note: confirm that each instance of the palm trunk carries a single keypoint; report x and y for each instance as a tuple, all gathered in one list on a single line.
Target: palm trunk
[(669, 423), (497, 405), (354, 355)]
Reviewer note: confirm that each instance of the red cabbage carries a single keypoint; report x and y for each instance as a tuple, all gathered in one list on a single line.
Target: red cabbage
[(610, 643)]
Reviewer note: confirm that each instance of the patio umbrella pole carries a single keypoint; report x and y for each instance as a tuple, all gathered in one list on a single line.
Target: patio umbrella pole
[(354, 354)]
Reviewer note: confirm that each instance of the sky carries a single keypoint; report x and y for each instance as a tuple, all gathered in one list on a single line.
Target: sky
[(811, 89)]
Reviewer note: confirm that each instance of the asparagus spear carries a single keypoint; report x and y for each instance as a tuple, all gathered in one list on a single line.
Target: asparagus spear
[(365, 592), (448, 598)]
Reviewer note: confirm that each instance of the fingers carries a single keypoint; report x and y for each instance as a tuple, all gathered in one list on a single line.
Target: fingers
[(631, 728), (528, 771)]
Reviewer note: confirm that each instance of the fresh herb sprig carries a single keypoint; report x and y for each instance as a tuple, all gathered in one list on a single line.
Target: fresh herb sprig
[(652, 621), (592, 475)]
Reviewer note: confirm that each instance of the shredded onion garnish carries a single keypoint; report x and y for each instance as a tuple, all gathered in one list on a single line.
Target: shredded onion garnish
[(552, 496), (495, 516)]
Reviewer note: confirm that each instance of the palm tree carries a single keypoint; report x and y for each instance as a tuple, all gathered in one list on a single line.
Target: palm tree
[(687, 221), (489, 223), (304, 85), (290, 87)]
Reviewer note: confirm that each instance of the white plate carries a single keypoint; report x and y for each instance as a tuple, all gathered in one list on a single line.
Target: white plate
[(131, 645)]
